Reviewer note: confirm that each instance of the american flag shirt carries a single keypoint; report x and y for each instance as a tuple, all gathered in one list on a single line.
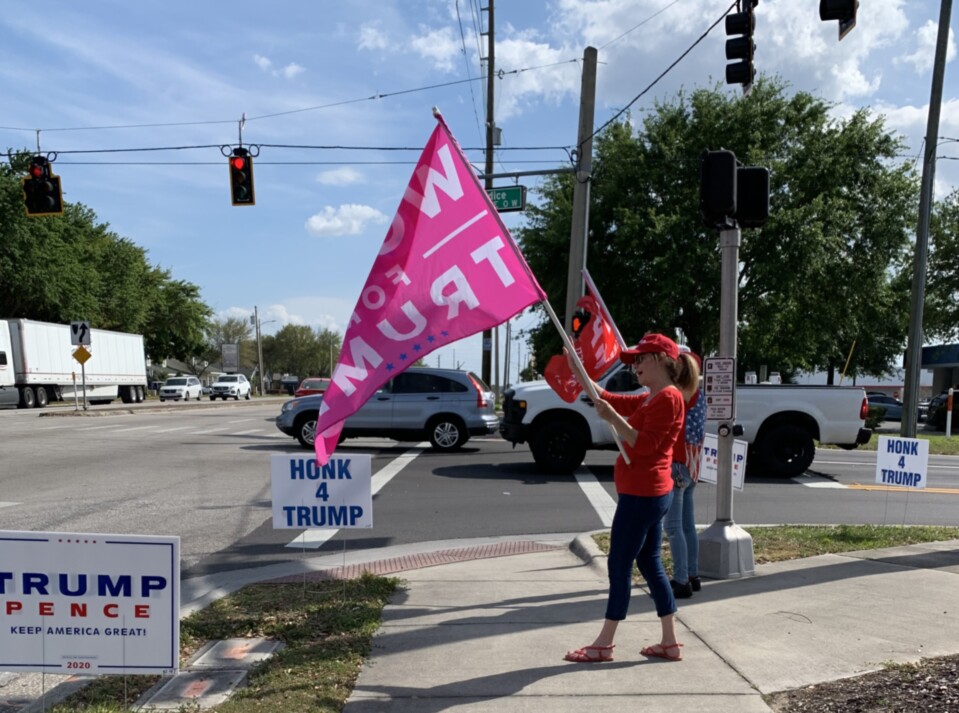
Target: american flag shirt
[(695, 434)]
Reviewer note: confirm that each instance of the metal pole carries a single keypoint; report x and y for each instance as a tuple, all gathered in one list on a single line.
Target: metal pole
[(490, 125), (726, 550), (579, 229), (259, 347), (910, 416)]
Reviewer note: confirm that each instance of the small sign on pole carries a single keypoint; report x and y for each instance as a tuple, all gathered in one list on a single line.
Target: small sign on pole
[(719, 387), (80, 333)]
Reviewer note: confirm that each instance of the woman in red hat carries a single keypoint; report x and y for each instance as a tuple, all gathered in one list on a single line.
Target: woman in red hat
[(648, 424)]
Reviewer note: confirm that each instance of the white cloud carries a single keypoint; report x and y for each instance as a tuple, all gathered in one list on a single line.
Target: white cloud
[(440, 47), (291, 70), (266, 64), (371, 38), (349, 219), (926, 38), (343, 176)]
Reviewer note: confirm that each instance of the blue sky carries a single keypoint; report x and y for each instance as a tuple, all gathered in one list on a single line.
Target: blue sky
[(364, 74)]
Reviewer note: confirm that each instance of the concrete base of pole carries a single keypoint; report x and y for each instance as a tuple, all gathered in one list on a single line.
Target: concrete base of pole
[(726, 551)]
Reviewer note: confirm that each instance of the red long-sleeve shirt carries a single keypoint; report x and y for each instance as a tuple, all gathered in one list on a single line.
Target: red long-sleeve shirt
[(658, 421)]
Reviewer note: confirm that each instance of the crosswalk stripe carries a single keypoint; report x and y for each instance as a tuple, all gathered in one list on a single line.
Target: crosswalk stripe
[(603, 504), (171, 430)]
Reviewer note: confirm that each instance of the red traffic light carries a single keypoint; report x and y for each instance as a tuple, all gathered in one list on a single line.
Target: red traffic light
[(238, 162), (36, 171)]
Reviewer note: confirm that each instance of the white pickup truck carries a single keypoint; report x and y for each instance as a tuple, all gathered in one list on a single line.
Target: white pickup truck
[(781, 423)]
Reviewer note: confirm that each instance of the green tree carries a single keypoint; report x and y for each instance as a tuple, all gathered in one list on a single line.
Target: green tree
[(59, 269), (296, 349), (231, 330), (941, 312), (825, 271)]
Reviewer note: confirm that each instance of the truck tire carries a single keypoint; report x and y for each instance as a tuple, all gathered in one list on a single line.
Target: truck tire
[(786, 450), (42, 397), (447, 433), (558, 445), (27, 397), (306, 430)]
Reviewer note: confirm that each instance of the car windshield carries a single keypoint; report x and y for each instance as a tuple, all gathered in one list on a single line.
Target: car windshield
[(176, 382), (227, 378), (314, 384)]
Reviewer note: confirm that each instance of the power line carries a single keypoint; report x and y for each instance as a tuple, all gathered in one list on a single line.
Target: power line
[(664, 72), (637, 26)]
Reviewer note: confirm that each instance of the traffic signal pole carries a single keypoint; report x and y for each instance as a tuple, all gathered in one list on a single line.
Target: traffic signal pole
[(490, 125), (725, 549)]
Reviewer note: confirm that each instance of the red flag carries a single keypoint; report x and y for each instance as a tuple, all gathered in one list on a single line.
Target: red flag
[(447, 269), (559, 376), (596, 341)]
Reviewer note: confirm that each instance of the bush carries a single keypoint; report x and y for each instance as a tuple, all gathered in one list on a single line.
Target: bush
[(875, 416)]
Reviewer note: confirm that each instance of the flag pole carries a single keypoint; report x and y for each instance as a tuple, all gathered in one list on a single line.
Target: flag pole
[(608, 317), (584, 378)]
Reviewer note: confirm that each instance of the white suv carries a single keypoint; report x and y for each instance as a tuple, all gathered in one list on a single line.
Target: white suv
[(181, 387), (230, 386)]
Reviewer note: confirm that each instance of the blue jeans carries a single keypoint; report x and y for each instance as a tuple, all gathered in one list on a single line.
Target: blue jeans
[(637, 536), (680, 527)]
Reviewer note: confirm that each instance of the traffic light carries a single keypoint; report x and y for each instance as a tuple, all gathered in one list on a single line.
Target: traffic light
[(241, 177), (752, 196), (842, 10), (580, 319), (740, 26), (717, 190), (41, 190)]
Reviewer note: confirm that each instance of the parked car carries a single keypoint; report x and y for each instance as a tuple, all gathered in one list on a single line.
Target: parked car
[(230, 386), (892, 407), (181, 387), (315, 385), (445, 406)]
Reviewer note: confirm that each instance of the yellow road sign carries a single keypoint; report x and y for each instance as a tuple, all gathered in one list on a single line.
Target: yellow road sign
[(81, 355)]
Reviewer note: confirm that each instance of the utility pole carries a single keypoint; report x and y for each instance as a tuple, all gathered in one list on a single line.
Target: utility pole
[(579, 230), (259, 347), (914, 346), (490, 126)]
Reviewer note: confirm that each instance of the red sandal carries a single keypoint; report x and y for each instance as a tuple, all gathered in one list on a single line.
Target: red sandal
[(591, 654), (661, 651)]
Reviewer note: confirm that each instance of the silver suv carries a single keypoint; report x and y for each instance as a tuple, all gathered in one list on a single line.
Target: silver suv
[(445, 406)]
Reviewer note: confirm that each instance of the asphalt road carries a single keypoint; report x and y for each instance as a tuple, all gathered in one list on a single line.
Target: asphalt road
[(202, 471)]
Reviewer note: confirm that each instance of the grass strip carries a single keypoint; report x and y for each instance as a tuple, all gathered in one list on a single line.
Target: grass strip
[(326, 626)]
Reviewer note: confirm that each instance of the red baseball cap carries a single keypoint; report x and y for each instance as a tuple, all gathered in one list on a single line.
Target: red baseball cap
[(651, 344)]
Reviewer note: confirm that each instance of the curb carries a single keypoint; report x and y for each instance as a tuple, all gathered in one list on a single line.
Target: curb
[(585, 547)]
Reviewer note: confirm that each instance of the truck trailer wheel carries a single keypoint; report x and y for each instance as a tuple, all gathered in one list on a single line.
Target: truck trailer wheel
[(42, 397), (27, 397), (786, 450), (558, 445)]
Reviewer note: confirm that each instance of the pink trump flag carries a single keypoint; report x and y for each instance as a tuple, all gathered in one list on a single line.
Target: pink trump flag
[(448, 269)]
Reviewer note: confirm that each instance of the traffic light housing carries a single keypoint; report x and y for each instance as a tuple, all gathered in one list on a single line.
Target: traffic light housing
[(241, 178), (842, 10), (740, 47), (717, 191), (42, 194), (580, 319), (752, 196)]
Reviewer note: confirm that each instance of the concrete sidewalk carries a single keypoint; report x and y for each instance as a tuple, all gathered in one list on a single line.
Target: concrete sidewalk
[(490, 634), (478, 627)]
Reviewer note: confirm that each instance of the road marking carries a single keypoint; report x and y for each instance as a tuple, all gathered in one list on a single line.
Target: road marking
[(313, 539), (211, 430), (603, 504), (242, 420), (135, 428), (246, 433), (6, 504), (171, 430), (817, 481), (97, 428), (895, 489)]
